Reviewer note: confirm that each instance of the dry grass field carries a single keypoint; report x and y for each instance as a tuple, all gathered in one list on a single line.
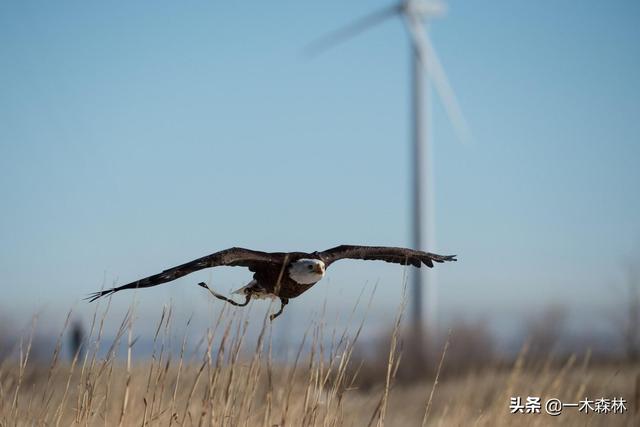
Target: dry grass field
[(231, 380)]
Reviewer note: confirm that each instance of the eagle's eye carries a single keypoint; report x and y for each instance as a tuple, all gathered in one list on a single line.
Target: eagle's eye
[(310, 267)]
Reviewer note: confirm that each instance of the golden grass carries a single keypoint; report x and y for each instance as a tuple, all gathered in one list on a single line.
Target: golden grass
[(234, 381)]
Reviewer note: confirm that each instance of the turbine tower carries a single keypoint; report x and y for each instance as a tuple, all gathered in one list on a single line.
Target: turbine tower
[(425, 68)]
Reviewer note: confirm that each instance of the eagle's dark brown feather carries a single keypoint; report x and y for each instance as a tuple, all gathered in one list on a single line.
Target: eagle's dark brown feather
[(251, 259), (402, 256)]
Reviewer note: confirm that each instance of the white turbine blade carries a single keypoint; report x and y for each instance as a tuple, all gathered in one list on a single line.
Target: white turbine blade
[(349, 31), (436, 72)]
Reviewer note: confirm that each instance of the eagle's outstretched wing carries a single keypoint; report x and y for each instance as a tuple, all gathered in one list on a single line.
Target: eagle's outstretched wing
[(229, 257), (402, 256)]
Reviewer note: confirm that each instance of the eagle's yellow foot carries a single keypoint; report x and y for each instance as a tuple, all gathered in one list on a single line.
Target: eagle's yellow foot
[(283, 302), (223, 298)]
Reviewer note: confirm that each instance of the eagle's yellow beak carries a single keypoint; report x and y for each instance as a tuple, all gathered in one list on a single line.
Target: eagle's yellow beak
[(318, 269)]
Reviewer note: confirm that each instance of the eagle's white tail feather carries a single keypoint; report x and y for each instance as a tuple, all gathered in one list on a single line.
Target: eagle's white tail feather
[(241, 291), (256, 294)]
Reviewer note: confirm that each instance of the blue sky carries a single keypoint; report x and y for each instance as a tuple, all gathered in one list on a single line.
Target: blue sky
[(135, 136)]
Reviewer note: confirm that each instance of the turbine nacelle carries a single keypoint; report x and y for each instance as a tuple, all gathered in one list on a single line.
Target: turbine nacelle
[(424, 8)]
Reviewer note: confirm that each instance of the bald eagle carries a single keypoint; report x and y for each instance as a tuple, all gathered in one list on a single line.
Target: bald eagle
[(282, 275)]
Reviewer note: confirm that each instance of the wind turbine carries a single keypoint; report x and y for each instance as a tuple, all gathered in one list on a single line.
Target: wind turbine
[(425, 64)]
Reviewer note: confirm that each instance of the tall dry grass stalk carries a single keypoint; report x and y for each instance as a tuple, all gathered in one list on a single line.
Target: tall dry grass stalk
[(435, 381)]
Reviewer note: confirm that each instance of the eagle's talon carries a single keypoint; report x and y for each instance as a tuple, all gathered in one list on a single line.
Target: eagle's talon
[(223, 298), (283, 302), (274, 315)]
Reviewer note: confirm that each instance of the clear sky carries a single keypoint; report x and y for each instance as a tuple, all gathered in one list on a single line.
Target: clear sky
[(135, 136)]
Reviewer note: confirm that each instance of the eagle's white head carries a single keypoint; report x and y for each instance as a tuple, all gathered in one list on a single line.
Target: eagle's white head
[(307, 271)]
